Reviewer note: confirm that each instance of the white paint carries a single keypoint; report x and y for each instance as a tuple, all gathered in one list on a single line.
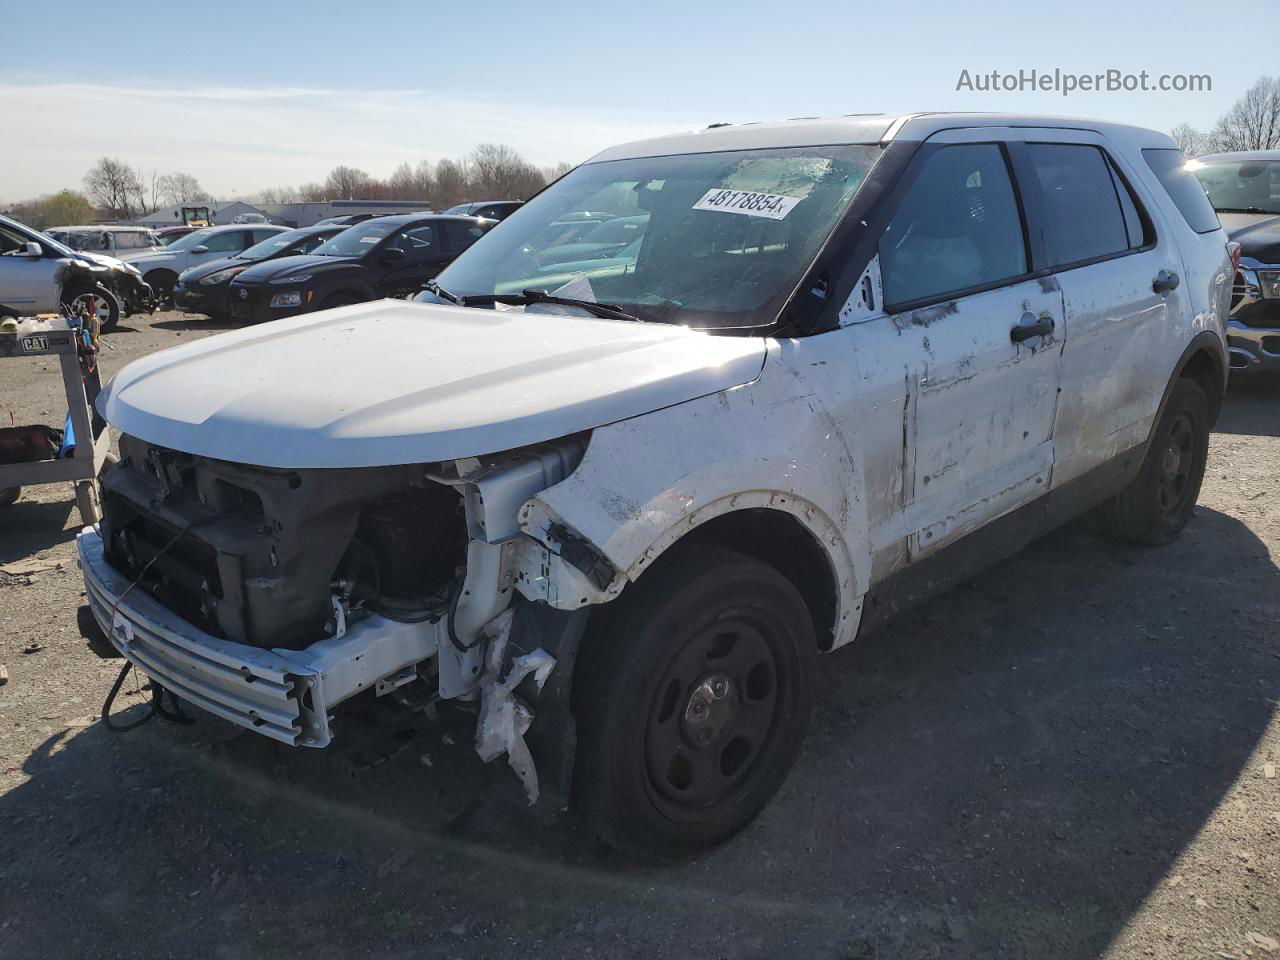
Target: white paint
[(504, 717), (395, 382)]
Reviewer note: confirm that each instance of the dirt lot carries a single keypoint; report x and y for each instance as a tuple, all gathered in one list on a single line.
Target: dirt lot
[(1072, 756)]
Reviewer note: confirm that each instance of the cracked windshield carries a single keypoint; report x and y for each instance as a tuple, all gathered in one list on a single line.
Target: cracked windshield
[(711, 240)]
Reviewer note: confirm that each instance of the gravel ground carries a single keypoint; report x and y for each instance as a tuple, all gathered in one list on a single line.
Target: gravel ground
[(1073, 755)]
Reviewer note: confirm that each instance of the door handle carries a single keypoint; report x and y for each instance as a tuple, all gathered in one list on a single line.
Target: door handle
[(1030, 326), (1165, 281)]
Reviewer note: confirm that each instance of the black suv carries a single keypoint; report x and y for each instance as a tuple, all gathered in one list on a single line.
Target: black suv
[(385, 257), (206, 287), (1245, 190)]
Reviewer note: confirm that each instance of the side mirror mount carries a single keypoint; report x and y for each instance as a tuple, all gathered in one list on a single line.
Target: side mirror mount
[(32, 249), (200, 248)]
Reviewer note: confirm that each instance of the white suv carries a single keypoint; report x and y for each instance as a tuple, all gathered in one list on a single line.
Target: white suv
[(840, 364)]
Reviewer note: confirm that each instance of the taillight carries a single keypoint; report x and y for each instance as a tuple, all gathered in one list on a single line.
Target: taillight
[(1233, 250)]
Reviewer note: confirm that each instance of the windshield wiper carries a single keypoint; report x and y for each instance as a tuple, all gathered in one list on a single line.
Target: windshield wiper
[(432, 287), (1245, 210), (605, 310)]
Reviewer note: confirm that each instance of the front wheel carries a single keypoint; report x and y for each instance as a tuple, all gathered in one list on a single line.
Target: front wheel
[(103, 303), (1155, 507), (692, 705)]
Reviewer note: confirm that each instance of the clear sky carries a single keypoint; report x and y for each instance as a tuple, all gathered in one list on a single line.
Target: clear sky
[(247, 95)]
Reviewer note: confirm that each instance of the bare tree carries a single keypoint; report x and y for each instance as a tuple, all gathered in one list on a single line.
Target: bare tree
[(347, 183), (178, 188), (276, 195), (1190, 141), (553, 173), (411, 183), (313, 193), (114, 186), (1253, 122), (499, 173), (451, 184)]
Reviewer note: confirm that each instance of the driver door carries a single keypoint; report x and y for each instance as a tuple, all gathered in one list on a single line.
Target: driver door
[(421, 256), (28, 284)]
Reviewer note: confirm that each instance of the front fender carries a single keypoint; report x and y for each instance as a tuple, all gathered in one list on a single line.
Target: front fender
[(646, 482)]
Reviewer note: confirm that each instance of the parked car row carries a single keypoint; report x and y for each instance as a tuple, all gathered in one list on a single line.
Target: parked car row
[(315, 268)]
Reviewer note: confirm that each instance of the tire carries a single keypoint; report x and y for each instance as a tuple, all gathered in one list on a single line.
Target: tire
[(9, 495), (106, 305), (161, 283), (692, 705), (1155, 507)]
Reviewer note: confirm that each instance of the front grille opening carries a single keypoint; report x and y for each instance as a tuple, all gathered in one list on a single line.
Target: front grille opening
[(242, 503), (407, 552), (183, 577)]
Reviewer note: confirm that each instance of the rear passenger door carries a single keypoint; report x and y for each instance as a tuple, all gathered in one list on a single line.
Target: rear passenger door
[(979, 339), (1120, 280), (421, 256)]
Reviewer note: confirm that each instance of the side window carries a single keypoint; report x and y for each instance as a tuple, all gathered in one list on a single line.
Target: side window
[(417, 243), (257, 236), (1136, 225), (459, 236), (1183, 188), (957, 228), (132, 240), (1083, 219), (229, 241)]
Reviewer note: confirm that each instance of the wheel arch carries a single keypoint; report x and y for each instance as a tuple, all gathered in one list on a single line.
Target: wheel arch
[(779, 529), (1205, 362)]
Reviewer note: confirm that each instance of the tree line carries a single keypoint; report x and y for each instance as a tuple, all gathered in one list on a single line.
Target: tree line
[(115, 190), (1252, 123)]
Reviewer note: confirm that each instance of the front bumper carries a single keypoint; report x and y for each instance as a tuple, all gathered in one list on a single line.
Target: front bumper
[(211, 300), (1253, 330), (252, 303), (282, 694), (1253, 349)]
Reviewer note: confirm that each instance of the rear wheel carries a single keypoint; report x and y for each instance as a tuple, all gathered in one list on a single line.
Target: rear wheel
[(103, 303), (693, 705), (1155, 507)]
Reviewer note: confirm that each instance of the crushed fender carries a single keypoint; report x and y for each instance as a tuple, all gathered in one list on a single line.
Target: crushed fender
[(504, 717)]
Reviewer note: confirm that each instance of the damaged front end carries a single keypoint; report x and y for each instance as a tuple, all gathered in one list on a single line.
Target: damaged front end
[(269, 596)]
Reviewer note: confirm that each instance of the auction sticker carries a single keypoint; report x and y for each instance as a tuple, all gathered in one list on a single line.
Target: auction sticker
[(775, 206)]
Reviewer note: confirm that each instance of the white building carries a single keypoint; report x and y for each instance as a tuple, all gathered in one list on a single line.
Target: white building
[(220, 212)]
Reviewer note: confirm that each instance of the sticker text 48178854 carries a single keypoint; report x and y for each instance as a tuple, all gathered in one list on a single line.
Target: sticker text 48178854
[(775, 206)]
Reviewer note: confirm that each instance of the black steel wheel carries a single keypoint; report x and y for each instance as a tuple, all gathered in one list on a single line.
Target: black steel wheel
[(1155, 507), (692, 704)]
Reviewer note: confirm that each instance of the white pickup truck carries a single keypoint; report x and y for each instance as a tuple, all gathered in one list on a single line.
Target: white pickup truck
[(627, 492)]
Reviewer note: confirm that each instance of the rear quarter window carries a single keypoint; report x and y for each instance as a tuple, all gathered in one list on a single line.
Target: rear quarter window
[(1183, 188)]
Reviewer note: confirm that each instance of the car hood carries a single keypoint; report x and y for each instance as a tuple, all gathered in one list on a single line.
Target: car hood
[(192, 274), (176, 260), (1257, 233), (393, 382), (299, 263)]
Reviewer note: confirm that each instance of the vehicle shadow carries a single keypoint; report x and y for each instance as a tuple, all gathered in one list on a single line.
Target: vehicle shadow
[(30, 526), (1009, 771), (195, 321), (1251, 407)]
